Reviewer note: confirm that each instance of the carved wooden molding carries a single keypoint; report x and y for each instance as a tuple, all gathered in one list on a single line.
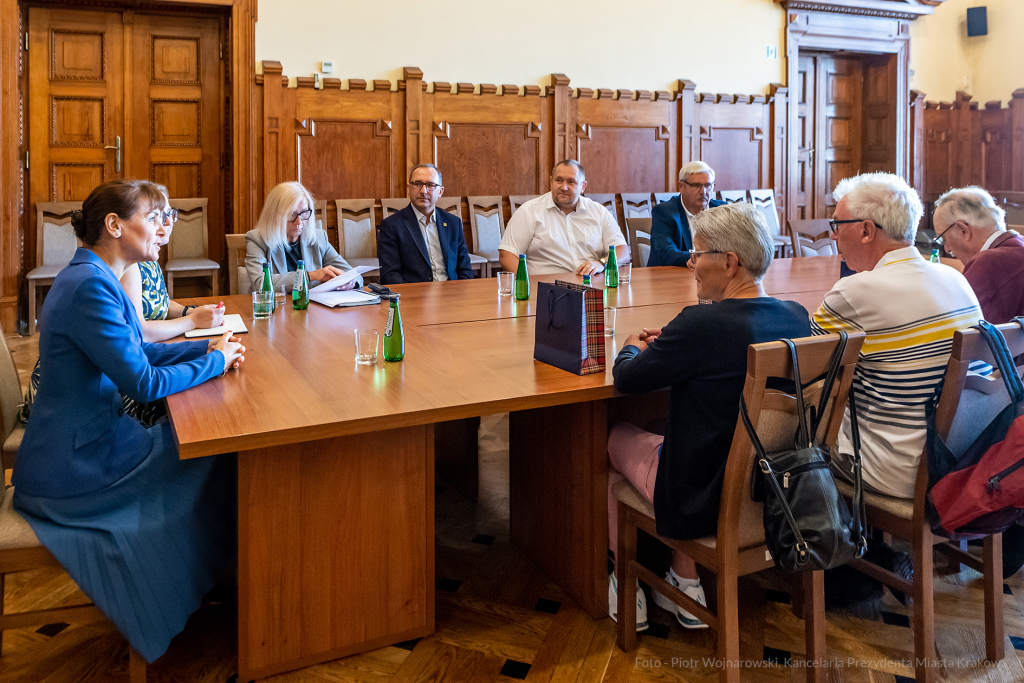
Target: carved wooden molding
[(305, 82), (272, 68), (63, 164), (198, 166), (464, 88), (331, 84), (510, 90), (585, 93), (382, 85), (53, 56), (583, 131), (531, 91), (357, 84), (53, 121), (152, 60), (441, 129), (885, 9), (662, 133), (533, 130), (488, 89), (199, 122), (307, 127)]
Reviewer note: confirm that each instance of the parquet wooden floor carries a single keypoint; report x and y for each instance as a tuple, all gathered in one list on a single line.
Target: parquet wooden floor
[(499, 618)]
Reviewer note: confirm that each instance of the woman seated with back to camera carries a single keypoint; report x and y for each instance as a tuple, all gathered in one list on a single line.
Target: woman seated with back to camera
[(286, 234), (702, 356), (162, 318), (143, 533)]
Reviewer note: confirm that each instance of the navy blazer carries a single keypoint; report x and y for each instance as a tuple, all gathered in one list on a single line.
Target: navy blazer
[(78, 439), (402, 251), (670, 233)]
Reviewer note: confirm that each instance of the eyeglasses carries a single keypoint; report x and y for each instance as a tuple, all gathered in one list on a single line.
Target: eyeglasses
[(419, 184), (833, 224), (701, 186), (165, 216), (695, 254), (938, 238), (301, 215)]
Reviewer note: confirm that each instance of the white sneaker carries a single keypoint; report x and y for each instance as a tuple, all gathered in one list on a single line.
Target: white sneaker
[(613, 603), (685, 618)]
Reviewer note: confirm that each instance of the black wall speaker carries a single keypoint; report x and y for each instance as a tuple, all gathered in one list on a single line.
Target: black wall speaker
[(977, 21)]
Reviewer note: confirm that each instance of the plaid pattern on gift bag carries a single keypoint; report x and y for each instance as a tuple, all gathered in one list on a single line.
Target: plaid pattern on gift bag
[(593, 326)]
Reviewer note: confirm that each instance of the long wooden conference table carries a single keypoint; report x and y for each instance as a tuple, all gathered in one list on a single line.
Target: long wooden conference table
[(336, 461)]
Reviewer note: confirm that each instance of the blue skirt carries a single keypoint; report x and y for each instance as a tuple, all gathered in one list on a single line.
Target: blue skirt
[(147, 548)]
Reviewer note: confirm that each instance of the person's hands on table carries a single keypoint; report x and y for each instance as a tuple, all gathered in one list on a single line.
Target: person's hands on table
[(634, 340), (232, 349), (648, 335), (590, 268)]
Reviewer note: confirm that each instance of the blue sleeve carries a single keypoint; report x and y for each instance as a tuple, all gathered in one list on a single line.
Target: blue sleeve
[(463, 267), (169, 354), (100, 330), (665, 361), (666, 236), (388, 254)]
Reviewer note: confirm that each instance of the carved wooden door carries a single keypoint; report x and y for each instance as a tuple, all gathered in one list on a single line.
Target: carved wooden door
[(126, 95), (804, 99), (838, 105)]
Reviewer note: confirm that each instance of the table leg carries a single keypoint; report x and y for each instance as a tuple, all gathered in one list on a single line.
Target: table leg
[(558, 489), (335, 548), (457, 454)]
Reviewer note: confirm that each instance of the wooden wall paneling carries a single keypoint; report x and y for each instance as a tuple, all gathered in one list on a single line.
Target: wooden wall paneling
[(415, 128), (995, 136), (733, 138), (273, 97), (346, 145), (778, 115), (878, 140), (258, 152), (1017, 124), (916, 151), (940, 154), (627, 144), (686, 100), (563, 117), (11, 161), (963, 162)]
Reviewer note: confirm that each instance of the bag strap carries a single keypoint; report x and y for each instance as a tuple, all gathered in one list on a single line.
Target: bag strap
[(1001, 353), (769, 474), (859, 512), (802, 437), (552, 303), (830, 378)]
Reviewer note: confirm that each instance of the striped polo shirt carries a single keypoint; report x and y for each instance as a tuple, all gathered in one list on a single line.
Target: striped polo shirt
[(908, 309)]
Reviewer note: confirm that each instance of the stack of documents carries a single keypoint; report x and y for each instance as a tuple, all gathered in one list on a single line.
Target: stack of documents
[(329, 293)]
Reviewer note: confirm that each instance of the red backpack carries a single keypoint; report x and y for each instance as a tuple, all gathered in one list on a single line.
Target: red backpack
[(981, 491)]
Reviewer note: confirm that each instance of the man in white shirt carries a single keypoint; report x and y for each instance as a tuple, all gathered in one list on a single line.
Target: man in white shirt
[(422, 243), (562, 231)]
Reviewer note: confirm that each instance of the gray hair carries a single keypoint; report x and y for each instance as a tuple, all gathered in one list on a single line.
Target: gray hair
[(974, 205), (884, 199), (741, 229), (431, 166), (695, 167), (570, 162)]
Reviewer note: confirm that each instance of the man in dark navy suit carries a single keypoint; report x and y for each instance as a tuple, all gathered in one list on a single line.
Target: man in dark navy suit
[(671, 237), (422, 243)]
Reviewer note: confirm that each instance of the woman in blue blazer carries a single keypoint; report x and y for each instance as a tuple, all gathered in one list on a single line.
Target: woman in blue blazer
[(141, 532)]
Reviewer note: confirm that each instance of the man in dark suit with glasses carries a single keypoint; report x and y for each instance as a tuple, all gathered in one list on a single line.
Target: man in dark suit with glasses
[(671, 234)]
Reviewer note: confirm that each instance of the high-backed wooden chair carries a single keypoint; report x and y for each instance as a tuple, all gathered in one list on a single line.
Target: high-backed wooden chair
[(517, 200), (390, 206), (20, 549), (188, 252), (636, 205), (733, 196), (357, 232), (662, 197), (487, 225), (1014, 208), (453, 205), (55, 246), (238, 277), (966, 406), (765, 201), (738, 548), (812, 237), (638, 231)]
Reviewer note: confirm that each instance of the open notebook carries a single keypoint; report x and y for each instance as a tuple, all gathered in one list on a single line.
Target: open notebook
[(232, 322)]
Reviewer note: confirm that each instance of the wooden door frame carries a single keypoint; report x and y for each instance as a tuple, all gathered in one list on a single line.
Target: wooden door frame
[(243, 127), (822, 32)]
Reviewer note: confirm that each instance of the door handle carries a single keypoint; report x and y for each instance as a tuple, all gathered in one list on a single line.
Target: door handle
[(117, 153)]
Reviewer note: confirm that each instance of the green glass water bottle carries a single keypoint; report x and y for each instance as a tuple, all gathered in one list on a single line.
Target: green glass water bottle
[(300, 289), (935, 256), (268, 285), (611, 270), (521, 289), (586, 280), (394, 338)]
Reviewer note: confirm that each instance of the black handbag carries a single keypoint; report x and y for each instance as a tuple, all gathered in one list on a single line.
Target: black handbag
[(807, 523)]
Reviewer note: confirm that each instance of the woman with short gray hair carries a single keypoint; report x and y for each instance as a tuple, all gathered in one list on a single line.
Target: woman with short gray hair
[(702, 356)]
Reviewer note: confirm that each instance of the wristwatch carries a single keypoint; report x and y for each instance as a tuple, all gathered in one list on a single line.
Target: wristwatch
[(187, 310)]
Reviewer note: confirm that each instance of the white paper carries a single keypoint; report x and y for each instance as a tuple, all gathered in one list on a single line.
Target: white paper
[(349, 297), (340, 281), (232, 322)]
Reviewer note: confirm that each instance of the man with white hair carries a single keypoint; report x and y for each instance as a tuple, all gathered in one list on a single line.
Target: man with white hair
[(972, 227), (908, 309), (671, 226)]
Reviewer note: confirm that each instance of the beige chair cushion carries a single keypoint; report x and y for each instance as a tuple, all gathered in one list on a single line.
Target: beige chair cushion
[(14, 530), (899, 507), (475, 259), (12, 444), (490, 254), (244, 285), (372, 262), (45, 272), (186, 264)]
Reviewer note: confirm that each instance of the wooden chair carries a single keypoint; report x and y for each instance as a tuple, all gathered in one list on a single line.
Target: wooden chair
[(188, 252), (739, 548), (238, 277), (357, 232), (733, 196), (662, 197), (639, 237), (20, 549), (487, 225), (812, 238), (55, 246), (765, 201), (517, 200), (390, 206), (453, 205), (965, 408), (636, 205), (1014, 208)]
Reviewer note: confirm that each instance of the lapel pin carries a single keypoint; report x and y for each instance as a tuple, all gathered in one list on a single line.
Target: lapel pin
[(444, 225)]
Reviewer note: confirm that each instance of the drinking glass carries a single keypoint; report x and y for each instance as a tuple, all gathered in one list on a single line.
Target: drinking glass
[(624, 271), (261, 302), (280, 296), (505, 283), (366, 346), (609, 321)]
